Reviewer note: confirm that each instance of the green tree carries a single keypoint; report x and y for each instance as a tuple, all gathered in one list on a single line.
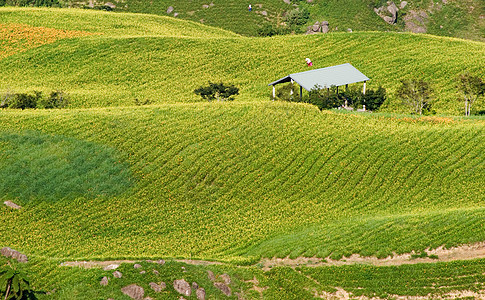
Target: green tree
[(417, 94), (471, 87), (217, 91)]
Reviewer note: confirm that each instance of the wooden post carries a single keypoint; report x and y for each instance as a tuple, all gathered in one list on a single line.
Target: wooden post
[(363, 92), (274, 93), (301, 92), (291, 91)]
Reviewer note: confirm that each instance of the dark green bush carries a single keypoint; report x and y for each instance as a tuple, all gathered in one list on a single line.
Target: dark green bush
[(56, 99), (217, 91), (297, 16)]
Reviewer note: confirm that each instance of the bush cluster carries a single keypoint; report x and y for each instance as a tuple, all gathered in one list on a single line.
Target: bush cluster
[(217, 91), (331, 98), (36, 3), (56, 99)]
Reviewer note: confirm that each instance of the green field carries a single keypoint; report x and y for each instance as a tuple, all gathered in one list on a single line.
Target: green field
[(233, 182), (152, 63)]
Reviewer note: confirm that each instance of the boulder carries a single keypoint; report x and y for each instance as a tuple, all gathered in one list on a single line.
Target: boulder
[(264, 13), (211, 275), (169, 9), (287, 1), (12, 205), (182, 286), (117, 274), (226, 278), (110, 5), (175, 14), (137, 266), (195, 286), (163, 285), (104, 281), (11, 253), (111, 267), (325, 26), (403, 4), (157, 288), (388, 13), (223, 288), (200, 294), (156, 272), (143, 272), (205, 6), (134, 291)]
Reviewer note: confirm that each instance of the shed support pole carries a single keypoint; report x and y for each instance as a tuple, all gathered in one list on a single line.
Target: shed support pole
[(301, 92), (363, 92), (274, 93), (291, 91)]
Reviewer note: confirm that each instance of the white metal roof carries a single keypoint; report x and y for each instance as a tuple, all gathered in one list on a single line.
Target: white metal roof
[(325, 77)]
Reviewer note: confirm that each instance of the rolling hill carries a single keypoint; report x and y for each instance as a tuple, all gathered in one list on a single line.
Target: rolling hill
[(232, 183), (156, 62)]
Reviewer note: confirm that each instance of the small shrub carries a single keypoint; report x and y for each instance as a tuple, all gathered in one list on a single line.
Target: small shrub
[(56, 99), (217, 91), (297, 16), (14, 284)]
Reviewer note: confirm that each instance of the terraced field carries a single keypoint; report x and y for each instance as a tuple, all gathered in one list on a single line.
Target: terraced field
[(233, 182)]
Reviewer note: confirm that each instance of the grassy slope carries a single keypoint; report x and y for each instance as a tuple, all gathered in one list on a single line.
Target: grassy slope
[(229, 180), (455, 18), (124, 63)]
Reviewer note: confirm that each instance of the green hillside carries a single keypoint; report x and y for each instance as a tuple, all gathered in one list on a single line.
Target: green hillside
[(218, 181), (237, 183), (164, 63), (463, 19)]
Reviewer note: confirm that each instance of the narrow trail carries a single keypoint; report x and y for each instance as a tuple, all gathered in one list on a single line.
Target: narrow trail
[(465, 252)]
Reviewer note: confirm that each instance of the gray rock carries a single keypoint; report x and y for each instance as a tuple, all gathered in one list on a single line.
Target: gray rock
[(11, 253), (175, 14), (223, 288), (136, 266), (200, 294), (169, 9), (212, 4), (182, 286), (156, 272), (12, 205), (349, 30), (163, 285), (264, 13), (226, 278), (211, 275), (143, 272), (133, 291), (110, 5), (195, 286), (388, 13), (205, 6), (104, 281), (325, 27), (287, 1), (111, 267), (157, 288), (117, 274), (403, 4)]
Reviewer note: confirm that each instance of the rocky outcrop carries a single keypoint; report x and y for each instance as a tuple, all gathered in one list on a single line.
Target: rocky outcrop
[(183, 287), (388, 12), (223, 288), (318, 27), (134, 291)]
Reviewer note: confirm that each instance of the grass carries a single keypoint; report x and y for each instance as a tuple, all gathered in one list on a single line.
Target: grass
[(232, 181), (257, 179), (125, 64)]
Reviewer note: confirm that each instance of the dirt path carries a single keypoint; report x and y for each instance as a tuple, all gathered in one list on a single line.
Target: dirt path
[(465, 252), (101, 264)]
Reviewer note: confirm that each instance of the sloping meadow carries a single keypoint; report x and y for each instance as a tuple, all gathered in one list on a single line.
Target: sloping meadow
[(164, 60), (244, 180)]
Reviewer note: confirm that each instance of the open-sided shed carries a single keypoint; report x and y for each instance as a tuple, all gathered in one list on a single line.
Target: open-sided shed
[(339, 75)]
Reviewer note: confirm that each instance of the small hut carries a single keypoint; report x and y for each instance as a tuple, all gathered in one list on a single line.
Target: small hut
[(334, 76)]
